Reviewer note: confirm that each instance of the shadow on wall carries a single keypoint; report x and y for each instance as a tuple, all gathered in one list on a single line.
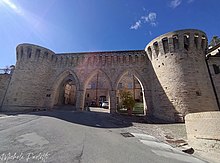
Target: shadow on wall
[(163, 110)]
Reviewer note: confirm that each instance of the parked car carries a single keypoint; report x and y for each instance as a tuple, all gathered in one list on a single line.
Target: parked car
[(105, 104), (93, 103)]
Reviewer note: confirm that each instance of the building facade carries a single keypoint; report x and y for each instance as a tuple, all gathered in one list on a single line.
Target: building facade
[(172, 74)]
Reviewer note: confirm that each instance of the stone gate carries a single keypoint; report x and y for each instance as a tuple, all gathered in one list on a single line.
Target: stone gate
[(171, 70)]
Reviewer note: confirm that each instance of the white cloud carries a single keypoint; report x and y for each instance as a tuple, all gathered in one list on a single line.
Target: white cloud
[(136, 25), (175, 3), (150, 18)]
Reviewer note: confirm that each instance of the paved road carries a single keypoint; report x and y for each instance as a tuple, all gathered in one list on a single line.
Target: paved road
[(87, 137)]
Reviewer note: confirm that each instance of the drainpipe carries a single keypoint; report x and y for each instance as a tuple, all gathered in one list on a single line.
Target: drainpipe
[(133, 86), (96, 92)]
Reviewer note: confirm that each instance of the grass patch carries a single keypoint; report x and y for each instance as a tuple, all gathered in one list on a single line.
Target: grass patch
[(138, 109)]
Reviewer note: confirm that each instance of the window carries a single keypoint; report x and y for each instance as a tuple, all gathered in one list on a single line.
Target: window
[(101, 84), (216, 69), (130, 85), (93, 85), (120, 86)]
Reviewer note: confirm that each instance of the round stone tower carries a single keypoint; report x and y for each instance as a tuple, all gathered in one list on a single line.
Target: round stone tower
[(28, 86), (180, 79)]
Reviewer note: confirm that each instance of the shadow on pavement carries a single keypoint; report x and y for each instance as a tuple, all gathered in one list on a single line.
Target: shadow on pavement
[(87, 118), (93, 117)]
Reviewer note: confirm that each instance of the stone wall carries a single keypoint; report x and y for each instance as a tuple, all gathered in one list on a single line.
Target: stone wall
[(28, 85), (4, 82), (182, 83), (171, 71), (203, 132), (214, 67), (40, 73)]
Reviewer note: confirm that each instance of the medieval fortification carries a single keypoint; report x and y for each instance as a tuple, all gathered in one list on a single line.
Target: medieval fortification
[(175, 76)]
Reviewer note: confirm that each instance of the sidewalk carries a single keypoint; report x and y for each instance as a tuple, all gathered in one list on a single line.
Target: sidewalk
[(173, 134)]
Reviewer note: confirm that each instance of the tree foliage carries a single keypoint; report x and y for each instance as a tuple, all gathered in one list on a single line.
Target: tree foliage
[(215, 40), (127, 99)]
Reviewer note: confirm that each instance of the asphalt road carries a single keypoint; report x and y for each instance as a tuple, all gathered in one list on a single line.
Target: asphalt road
[(87, 137)]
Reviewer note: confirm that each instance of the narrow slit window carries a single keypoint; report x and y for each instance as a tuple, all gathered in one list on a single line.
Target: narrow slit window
[(46, 54), (37, 54), (22, 52), (186, 42), (29, 52), (175, 42), (165, 45), (149, 52), (203, 43), (52, 58), (196, 40), (17, 55), (156, 48)]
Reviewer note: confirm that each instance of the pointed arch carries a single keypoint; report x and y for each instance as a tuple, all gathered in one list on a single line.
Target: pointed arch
[(66, 75), (95, 72), (98, 91), (133, 72), (144, 87)]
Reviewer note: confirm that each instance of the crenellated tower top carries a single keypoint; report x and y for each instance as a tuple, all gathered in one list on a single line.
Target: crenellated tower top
[(177, 41), (30, 52)]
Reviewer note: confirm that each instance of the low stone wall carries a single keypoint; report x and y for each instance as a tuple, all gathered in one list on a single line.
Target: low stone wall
[(203, 132)]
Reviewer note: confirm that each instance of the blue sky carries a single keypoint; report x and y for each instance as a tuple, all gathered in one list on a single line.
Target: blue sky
[(98, 25)]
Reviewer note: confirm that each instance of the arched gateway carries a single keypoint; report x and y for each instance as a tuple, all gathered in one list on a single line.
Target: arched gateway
[(171, 72)]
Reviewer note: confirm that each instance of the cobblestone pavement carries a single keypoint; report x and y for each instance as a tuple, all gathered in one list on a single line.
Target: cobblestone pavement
[(173, 134)]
